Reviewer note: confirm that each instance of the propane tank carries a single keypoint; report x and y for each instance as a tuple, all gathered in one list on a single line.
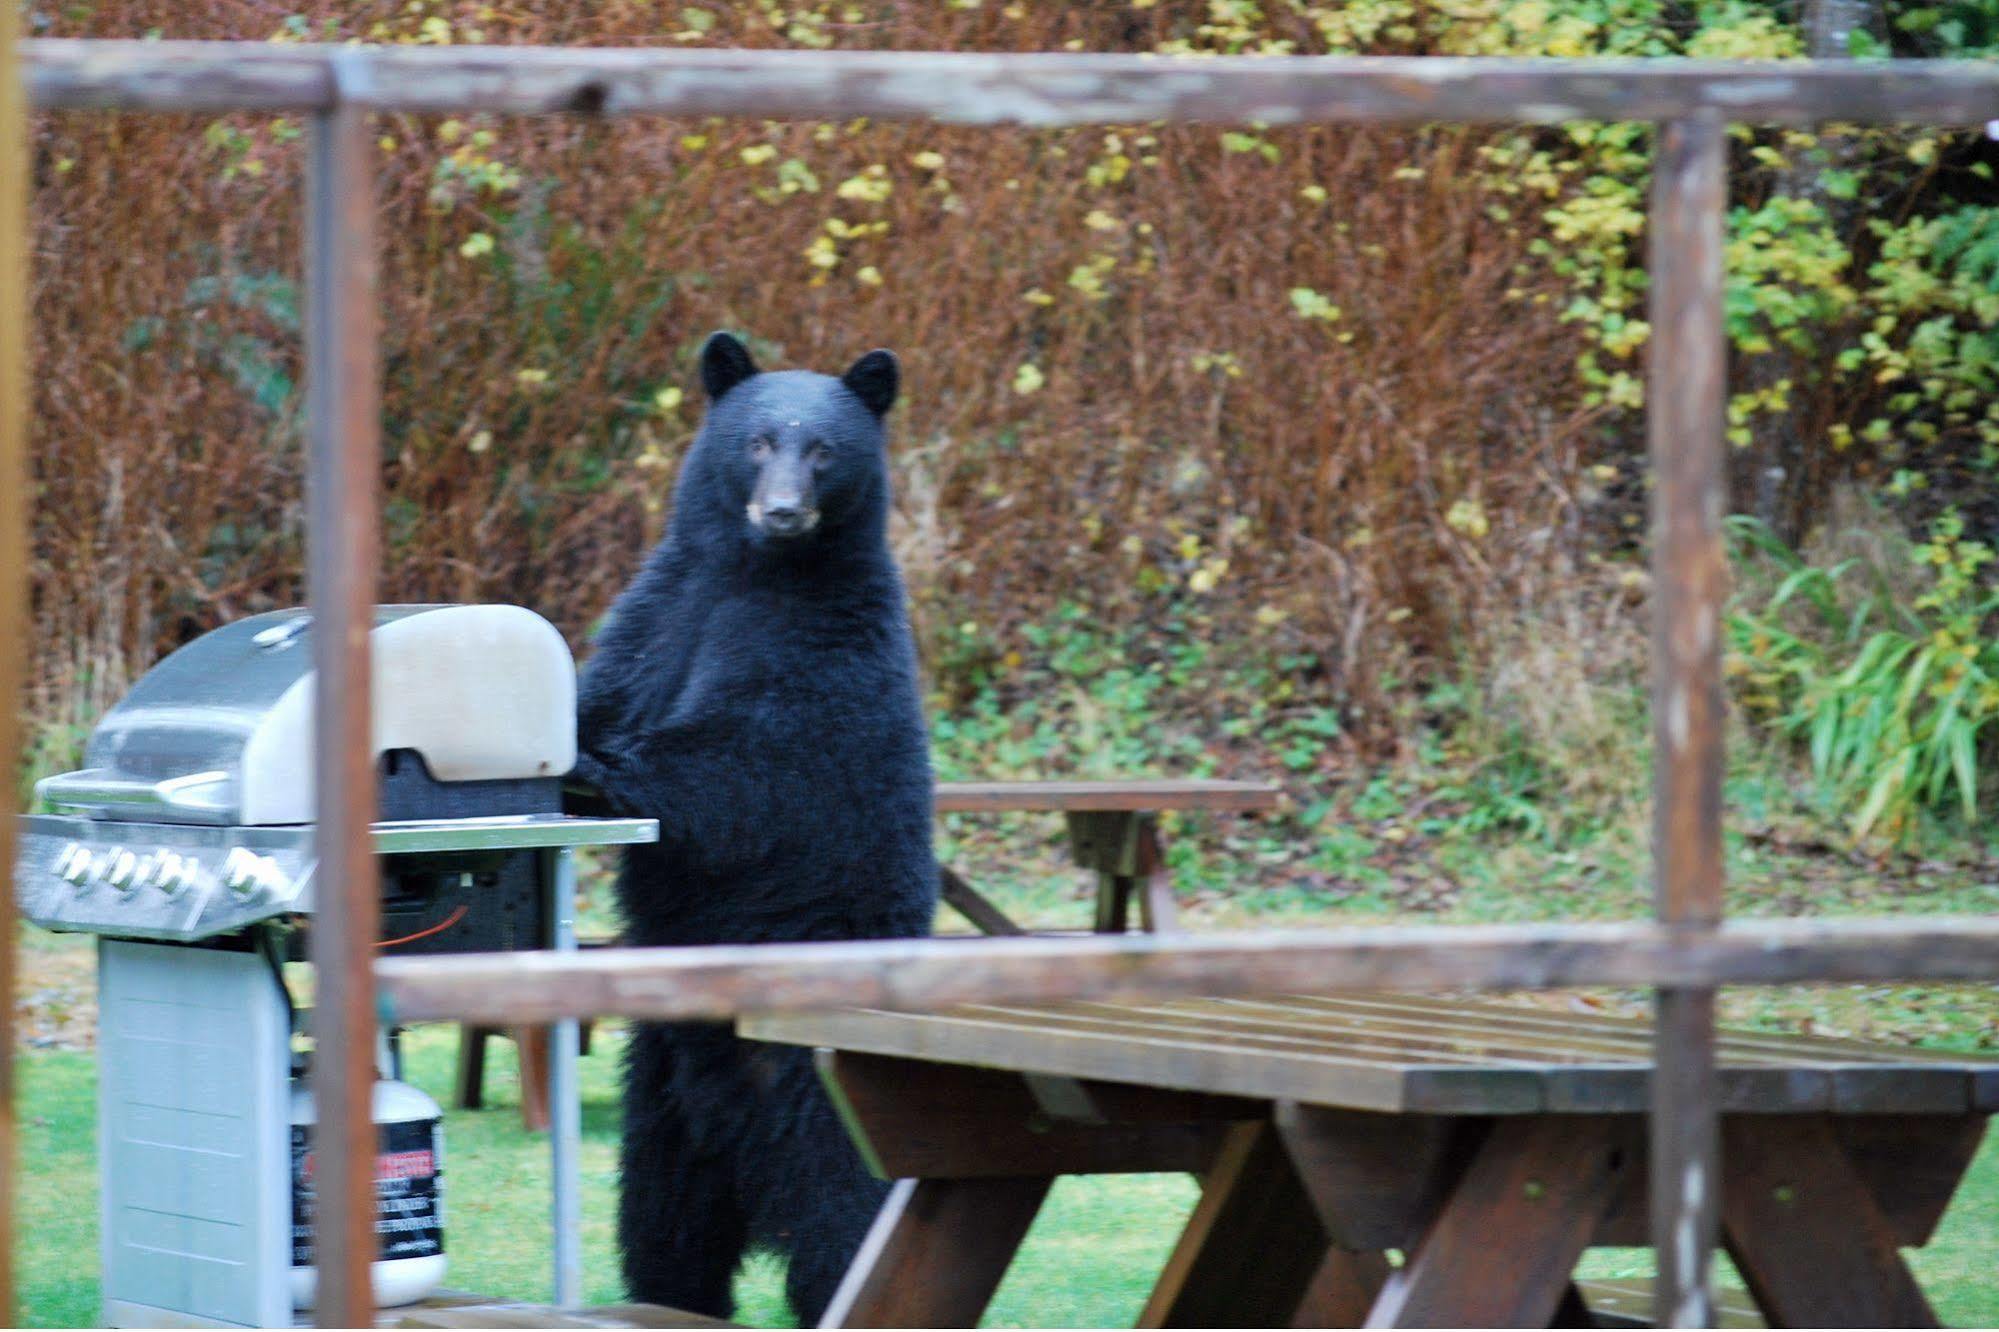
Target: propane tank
[(409, 1194)]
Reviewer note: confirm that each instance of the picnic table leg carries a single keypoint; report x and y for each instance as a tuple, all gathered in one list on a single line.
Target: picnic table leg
[(1123, 849), (1501, 1251), (1254, 1248), (531, 1044), (936, 1252), (1342, 1290), (1807, 1234), (972, 904), (1156, 912)]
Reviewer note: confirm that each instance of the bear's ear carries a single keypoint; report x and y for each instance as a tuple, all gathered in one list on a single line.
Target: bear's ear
[(874, 379), (725, 363)]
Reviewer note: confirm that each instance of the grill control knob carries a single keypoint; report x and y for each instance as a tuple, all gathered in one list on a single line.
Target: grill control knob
[(249, 875), (173, 874), (238, 875), (122, 870), (73, 864)]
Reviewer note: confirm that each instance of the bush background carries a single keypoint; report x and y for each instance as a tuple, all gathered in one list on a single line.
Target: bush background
[(1365, 405)]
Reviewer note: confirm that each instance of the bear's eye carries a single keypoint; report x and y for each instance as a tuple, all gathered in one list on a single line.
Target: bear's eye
[(760, 448), (819, 454)]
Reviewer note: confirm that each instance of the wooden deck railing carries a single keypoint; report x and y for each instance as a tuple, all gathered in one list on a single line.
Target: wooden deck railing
[(1685, 955), (13, 570), (968, 89)]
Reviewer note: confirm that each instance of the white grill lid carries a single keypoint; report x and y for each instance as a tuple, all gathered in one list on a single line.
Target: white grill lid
[(221, 730)]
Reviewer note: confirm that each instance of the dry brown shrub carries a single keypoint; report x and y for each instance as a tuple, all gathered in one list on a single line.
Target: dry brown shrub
[(1324, 471), (1563, 685)]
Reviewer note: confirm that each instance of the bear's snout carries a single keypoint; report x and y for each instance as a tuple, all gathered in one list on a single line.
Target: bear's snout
[(784, 504), (786, 519)]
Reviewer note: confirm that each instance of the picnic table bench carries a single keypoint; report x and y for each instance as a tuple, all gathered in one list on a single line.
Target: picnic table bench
[(1489, 1144)]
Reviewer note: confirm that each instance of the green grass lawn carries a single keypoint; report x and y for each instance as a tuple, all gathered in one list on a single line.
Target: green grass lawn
[(1099, 1242), (1088, 1263)]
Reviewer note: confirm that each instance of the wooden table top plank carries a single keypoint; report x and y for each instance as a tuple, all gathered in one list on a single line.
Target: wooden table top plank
[(1553, 1046), (1568, 1087), (1603, 1077), (1132, 797), (1117, 1056), (1521, 1042), (1846, 1078), (1865, 1077), (1172, 1034), (1559, 1030), (1416, 1041), (1498, 1012), (1337, 1073), (984, 1042), (1813, 1051), (1397, 1046), (1388, 1049), (1376, 1053)]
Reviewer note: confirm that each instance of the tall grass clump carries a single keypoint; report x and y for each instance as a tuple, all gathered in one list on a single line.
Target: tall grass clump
[(1546, 723), (1884, 666)]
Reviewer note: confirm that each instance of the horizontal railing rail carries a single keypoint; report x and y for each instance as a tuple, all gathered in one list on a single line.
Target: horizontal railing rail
[(1028, 89), (497, 989)]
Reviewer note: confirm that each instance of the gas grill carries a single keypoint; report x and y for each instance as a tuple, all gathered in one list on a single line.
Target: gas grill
[(186, 844)]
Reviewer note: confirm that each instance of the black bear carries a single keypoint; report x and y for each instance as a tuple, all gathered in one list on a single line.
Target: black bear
[(755, 690)]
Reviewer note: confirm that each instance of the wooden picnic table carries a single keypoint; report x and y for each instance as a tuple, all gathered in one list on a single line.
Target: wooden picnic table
[(1113, 833), (1490, 1144)]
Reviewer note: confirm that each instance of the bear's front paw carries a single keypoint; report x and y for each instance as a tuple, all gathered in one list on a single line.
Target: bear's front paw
[(590, 789)]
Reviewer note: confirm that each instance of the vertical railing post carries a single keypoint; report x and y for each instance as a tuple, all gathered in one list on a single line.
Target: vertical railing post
[(343, 469), (13, 574), (1686, 406)]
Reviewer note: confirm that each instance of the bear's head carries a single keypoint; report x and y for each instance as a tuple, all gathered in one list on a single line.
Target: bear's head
[(791, 459)]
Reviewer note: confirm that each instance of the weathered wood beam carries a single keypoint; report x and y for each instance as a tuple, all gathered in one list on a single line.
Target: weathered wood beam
[(498, 989), (343, 465), (1134, 797), (989, 89), (1688, 391), (14, 618)]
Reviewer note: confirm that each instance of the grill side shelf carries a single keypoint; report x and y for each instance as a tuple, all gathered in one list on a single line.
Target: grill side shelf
[(504, 832), (185, 882)]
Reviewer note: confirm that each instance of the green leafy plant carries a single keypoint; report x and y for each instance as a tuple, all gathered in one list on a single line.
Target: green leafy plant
[(1897, 704), (1506, 793)]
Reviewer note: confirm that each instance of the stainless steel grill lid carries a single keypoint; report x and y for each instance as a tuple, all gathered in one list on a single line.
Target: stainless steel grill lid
[(220, 732)]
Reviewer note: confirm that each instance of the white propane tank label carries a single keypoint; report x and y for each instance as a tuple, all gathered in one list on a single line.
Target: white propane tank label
[(409, 1197)]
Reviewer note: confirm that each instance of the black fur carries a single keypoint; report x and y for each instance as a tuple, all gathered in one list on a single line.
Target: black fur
[(757, 694)]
